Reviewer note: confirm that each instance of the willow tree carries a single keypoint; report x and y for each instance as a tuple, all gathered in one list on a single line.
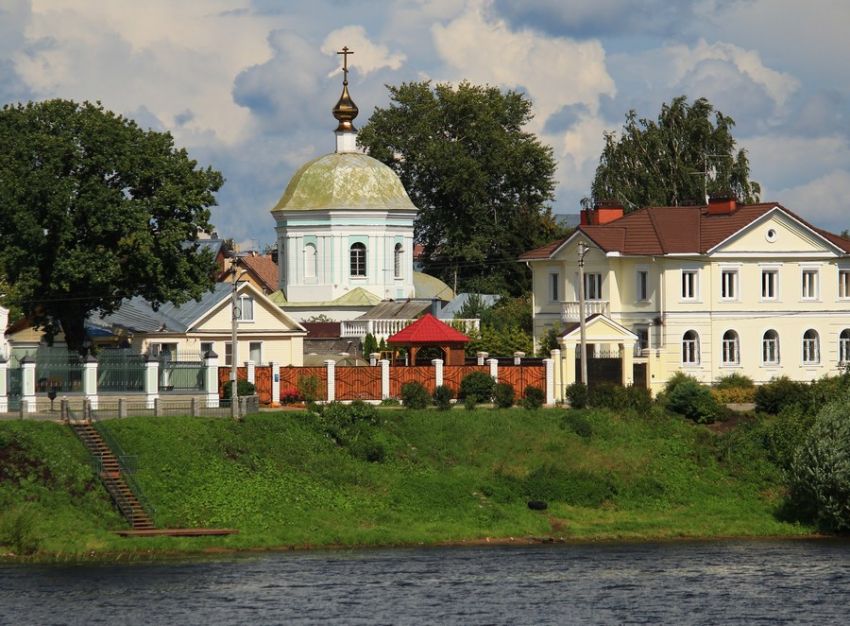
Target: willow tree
[(687, 153), (93, 209)]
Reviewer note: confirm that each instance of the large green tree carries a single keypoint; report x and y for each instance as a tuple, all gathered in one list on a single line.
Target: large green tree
[(688, 152), (480, 180), (93, 210)]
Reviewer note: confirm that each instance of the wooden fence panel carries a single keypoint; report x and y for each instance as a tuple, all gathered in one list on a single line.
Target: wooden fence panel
[(521, 376), (289, 377), (358, 383), (453, 374), (424, 374)]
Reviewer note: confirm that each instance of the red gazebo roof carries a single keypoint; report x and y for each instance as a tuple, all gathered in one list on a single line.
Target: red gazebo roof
[(428, 329)]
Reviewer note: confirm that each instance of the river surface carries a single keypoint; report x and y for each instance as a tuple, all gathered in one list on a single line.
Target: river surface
[(755, 582)]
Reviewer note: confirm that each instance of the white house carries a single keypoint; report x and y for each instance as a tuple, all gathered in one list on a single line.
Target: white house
[(707, 290)]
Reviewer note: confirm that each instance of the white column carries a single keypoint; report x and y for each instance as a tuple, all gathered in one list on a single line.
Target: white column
[(151, 382), (27, 385), (4, 391), (275, 375), (90, 381), (518, 357), (373, 358), (550, 381), (251, 370), (385, 378), (627, 353), (481, 356), (558, 373), (494, 368), (211, 379), (438, 371), (331, 365)]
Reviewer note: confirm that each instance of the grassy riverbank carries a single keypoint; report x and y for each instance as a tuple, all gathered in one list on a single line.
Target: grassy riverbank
[(444, 477)]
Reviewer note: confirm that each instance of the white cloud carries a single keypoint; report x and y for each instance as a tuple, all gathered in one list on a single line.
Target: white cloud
[(368, 57), (823, 201), (781, 162)]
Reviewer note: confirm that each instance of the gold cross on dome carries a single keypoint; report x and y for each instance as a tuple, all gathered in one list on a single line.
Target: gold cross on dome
[(345, 52)]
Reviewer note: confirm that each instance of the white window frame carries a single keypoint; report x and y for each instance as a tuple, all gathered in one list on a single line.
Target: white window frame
[(843, 283), (593, 286), (240, 308), (554, 286), (729, 284), (642, 285), (844, 346), (398, 270), (211, 345), (250, 345), (228, 352), (354, 264), (311, 257), (730, 348), (777, 356), (690, 285), (690, 349), (811, 348), (773, 272), (809, 283)]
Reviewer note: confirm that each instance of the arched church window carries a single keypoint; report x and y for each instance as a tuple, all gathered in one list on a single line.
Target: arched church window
[(309, 261), (358, 259), (397, 256)]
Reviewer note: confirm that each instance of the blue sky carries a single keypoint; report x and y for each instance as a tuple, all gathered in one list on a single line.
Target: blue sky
[(247, 85)]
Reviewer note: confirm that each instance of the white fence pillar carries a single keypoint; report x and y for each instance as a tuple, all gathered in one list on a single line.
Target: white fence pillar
[(90, 381), (331, 365), (4, 390), (438, 371), (251, 372), (211, 379), (558, 367), (27, 385), (275, 376), (481, 357), (385, 378), (494, 368), (373, 358), (518, 356), (549, 366), (151, 382)]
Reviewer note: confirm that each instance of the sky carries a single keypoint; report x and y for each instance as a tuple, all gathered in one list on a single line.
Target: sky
[(247, 86)]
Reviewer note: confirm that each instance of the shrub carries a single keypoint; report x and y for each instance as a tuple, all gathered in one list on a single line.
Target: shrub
[(470, 402), (782, 392), (390, 402), (443, 397), (607, 396), (414, 395), (577, 395), (820, 474), (734, 395), (534, 398), (503, 395), (17, 529), (309, 387), (692, 400), (577, 423), (734, 381), (289, 395), (637, 399), (243, 388), (786, 434), (478, 384), (363, 412)]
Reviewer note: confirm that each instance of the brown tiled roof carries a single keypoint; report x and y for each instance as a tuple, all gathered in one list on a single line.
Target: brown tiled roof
[(264, 270), (672, 230)]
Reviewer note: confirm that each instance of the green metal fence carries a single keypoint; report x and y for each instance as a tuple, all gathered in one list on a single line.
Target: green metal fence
[(181, 375), (118, 370), (62, 372)]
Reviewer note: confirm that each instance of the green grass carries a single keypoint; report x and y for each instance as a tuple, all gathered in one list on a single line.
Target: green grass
[(446, 476)]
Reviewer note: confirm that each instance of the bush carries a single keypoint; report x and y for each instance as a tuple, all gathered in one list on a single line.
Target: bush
[(534, 398), (637, 399), (734, 381), (443, 397), (470, 402), (309, 387), (243, 388), (782, 392), (17, 529), (607, 396), (786, 434), (690, 399), (503, 395), (289, 395), (414, 395), (478, 384), (577, 395), (820, 473), (734, 395), (577, 423), (390, 402)]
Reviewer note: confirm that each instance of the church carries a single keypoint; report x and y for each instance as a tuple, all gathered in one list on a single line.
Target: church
[(345, 233)]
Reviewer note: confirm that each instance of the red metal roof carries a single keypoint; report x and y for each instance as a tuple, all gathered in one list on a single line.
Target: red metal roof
[(428, 329)]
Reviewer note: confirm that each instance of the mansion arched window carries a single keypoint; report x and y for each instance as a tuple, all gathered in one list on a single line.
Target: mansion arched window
[(690, 348), (358, 259), (844, 346), (309, 261), (770, 348), (811, 347), (397, 264), (731, 348)]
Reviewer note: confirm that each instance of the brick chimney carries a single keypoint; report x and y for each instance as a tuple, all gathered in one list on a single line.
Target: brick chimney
[(722, 204), (603, 213)]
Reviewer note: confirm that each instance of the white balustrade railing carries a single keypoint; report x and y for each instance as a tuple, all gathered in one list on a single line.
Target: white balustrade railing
[(383, 328), (570, 310)]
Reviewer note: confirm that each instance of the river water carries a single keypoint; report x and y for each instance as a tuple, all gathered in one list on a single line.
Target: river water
[(755, 582)]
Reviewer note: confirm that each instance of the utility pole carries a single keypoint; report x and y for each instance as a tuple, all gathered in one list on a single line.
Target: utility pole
[(234, 330), (582, 251)]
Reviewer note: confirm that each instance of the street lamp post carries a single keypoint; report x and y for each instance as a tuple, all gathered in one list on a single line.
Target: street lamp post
[(582, 251), (234, 338)]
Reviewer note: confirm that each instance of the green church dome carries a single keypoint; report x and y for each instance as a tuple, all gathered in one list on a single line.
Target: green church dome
[(344, 180)]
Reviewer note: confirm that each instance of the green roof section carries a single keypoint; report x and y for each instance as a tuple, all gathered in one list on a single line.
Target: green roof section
[(427, 286), (344, 180), (356, 297)]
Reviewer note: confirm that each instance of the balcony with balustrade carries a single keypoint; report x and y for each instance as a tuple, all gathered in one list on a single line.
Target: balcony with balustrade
[(570, 310), (384, 328)]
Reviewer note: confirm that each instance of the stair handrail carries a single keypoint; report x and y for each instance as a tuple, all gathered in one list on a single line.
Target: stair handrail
[(128, 465)]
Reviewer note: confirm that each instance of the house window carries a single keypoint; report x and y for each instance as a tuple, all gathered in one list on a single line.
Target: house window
[(770, 348), (810, 284), (731, 346), (729, 284), (255, 352), (397, 266), (844, 347), (309, 261), (642, 285), (690, 348), (689, 284), (358, 259), (245, 309), (206, 346), (769, 284), (844, 283), (593, 286), (811, 347), (643, 337), (228, 353), (554, 280)]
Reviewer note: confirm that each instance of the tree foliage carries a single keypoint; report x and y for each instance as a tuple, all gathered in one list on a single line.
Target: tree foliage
[(663, 162), (480, 181), (93, 210)]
